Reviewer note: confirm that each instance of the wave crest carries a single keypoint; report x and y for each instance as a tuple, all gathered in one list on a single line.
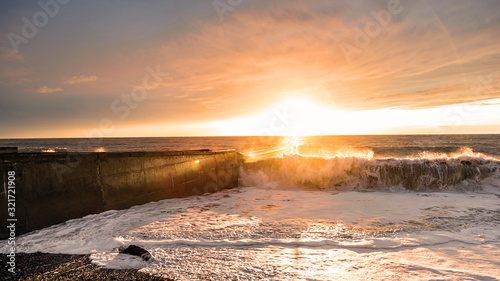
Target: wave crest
[(461, 171)]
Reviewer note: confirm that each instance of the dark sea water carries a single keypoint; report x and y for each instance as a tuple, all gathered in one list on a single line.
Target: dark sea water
[(381, 146)]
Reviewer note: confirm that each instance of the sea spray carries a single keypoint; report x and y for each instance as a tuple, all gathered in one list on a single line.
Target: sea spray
[(461, 173)]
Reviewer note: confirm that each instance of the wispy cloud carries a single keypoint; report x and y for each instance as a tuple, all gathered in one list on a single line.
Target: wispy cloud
[(10, 55), (45, 90), (414, 62), (430, 55), (80, 79)]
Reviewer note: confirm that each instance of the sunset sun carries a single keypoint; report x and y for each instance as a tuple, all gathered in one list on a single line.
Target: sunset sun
[(290, 117)]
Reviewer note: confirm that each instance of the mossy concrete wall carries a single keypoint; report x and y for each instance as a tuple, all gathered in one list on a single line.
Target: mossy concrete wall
[(54, 187)]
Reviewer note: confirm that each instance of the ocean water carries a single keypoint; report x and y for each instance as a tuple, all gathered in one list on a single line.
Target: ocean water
[(381, 146), (308, 208)]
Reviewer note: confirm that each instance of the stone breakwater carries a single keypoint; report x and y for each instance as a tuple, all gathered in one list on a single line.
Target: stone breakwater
[(52, 188)]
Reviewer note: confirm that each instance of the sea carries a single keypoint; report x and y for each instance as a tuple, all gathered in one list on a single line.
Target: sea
[(414, 207)]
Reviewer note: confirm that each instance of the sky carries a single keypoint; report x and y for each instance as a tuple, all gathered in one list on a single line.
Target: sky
[(248, 67)]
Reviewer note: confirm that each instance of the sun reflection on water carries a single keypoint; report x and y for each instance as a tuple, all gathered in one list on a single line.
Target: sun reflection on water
[(292, 145)]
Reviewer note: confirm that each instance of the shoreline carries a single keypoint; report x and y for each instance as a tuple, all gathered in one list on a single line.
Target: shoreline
[(44, 266)]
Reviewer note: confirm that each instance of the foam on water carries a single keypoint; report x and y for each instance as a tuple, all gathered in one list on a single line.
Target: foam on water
[(459, 171), (262, 233)]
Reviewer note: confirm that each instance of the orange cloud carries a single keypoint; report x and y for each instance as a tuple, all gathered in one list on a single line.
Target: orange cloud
[(10, 55), (259, 57), (80, 79), (45, 90)]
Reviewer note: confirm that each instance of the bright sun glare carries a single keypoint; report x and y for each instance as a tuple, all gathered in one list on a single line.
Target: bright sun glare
[(305, 117), (309, 118), (292, 117)]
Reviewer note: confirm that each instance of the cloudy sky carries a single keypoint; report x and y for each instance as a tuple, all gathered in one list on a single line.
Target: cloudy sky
[(248, 67)]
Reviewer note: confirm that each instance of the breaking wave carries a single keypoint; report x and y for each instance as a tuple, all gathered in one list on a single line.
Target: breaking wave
[(427, 171)]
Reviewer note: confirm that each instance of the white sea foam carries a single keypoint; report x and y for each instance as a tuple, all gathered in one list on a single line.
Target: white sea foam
[(457, 172), (263, 233)]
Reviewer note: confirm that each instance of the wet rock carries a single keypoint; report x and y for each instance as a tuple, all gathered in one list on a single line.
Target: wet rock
[(136, 251)]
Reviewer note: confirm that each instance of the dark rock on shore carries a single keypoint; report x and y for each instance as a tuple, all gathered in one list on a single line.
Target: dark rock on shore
[(137, 251), (41, 266)]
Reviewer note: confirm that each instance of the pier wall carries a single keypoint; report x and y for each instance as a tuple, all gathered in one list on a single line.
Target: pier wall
[(51, 188)]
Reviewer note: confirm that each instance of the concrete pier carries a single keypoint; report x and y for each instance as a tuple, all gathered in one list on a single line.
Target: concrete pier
[(8, 149), (51, 188)]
